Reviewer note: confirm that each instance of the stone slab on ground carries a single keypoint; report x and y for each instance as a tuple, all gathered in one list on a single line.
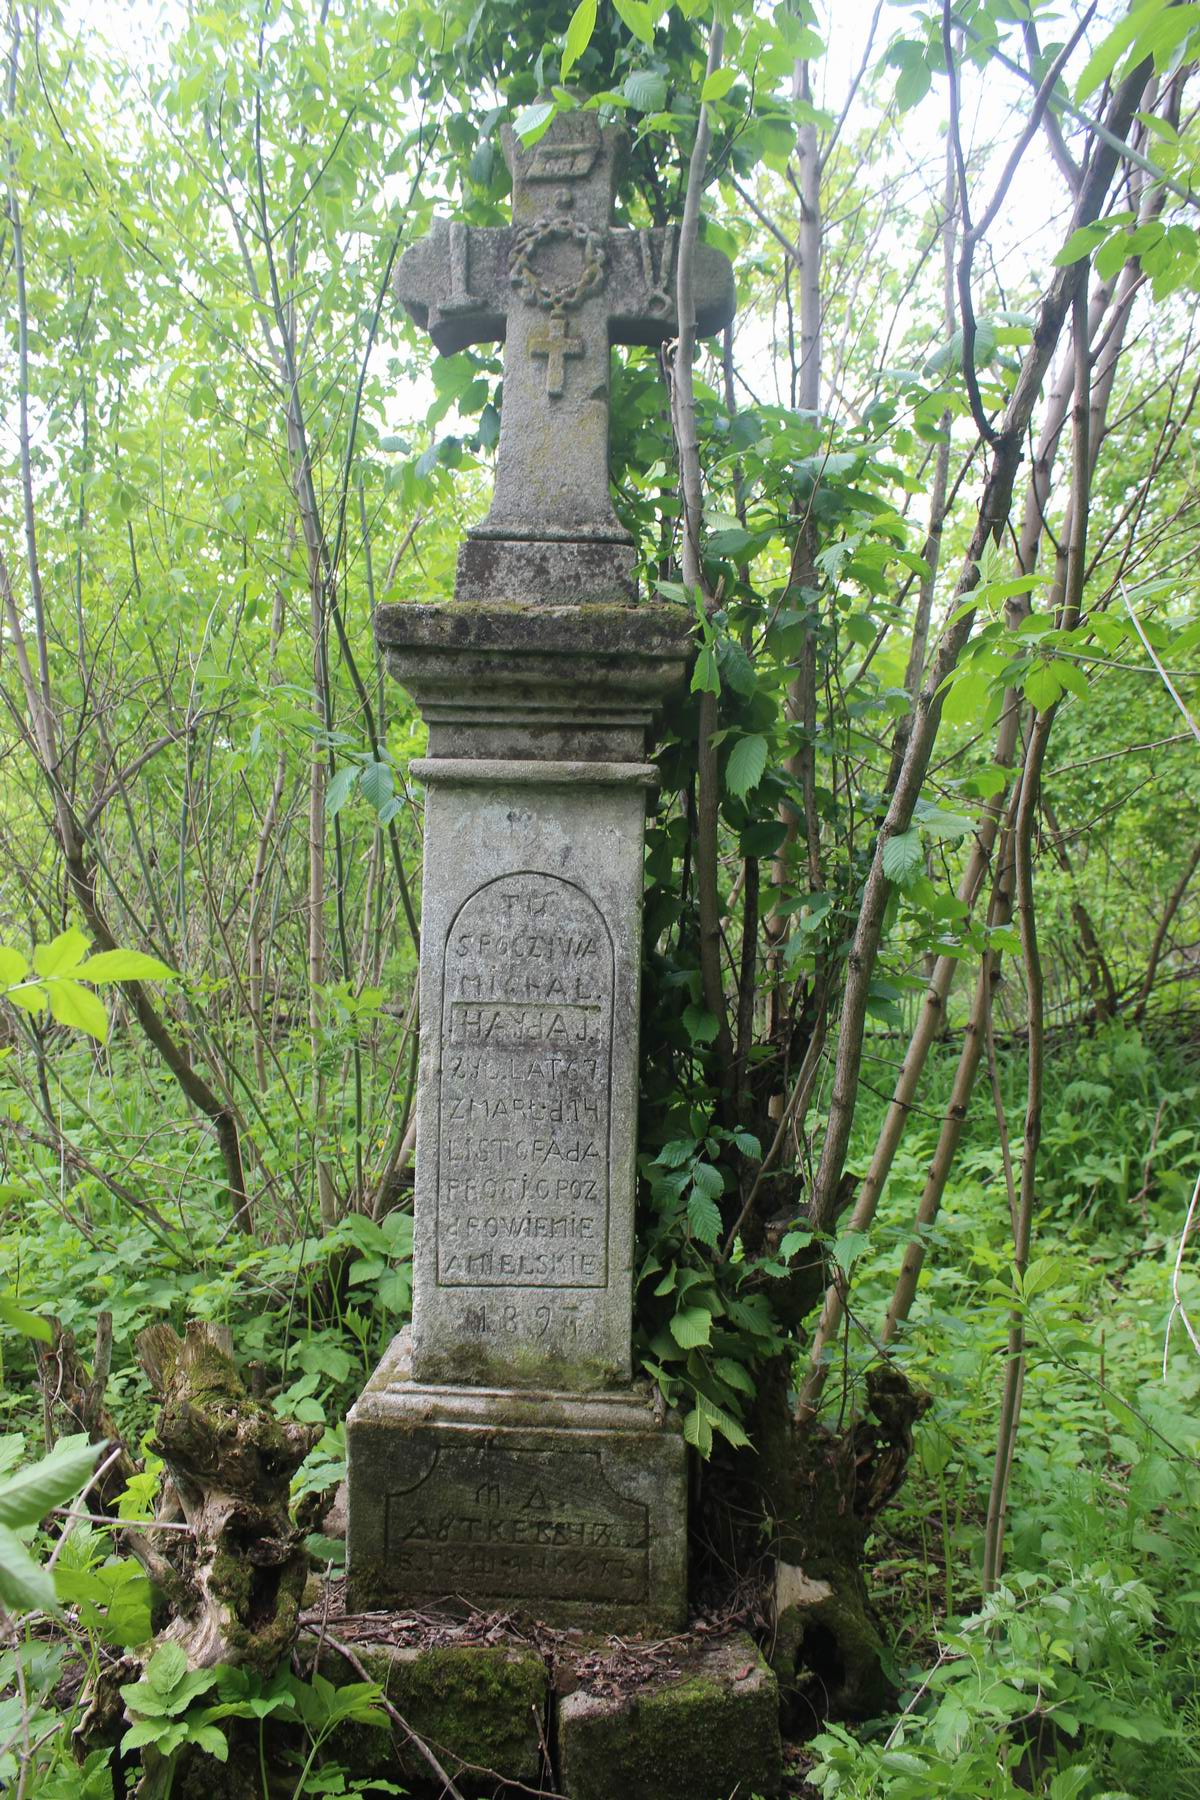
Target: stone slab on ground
[(569, 1507), (480, 1708), (706, 1734)]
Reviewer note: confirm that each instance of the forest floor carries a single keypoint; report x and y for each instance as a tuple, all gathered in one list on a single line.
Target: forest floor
[(1080, 1675)]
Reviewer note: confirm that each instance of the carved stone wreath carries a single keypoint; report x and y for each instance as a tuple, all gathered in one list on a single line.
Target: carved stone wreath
[(565, 296)]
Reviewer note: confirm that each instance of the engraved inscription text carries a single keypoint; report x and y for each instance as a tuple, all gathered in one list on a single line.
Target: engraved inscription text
[(524, 1099)]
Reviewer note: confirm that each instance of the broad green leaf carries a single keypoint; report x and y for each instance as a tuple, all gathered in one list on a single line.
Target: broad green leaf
[(29, 999), (13, 967), (579, 35), (722, 1422), (63, 954), (123, 965), (338, 791), (27, 1323), (709, 1180), (747, 761), (748, 1144), (73, 1004), (706, 677), (734, 1374), (1109, 51), (700, 1024), (903, 857), (675, 1153), (645, 91), (718, 84), (639, 17), (378, 785), (1082, 242), (24, 1585), (698, 1431), (532, 122), (704, 1216), (1042, 686), (966, 699), (167, 1668), (692, 1327), (29, 1494)]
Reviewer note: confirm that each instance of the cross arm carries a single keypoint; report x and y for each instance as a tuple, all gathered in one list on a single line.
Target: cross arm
[(643, 305), (455, 284)]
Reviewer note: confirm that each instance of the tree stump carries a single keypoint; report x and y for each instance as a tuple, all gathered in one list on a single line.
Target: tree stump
[(240, 1573)]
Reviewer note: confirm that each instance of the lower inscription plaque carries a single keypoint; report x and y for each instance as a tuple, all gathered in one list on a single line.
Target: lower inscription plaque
[(518, 1522)]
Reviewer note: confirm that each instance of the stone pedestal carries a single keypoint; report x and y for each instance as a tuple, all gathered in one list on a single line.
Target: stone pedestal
[(565, 1505), (501, 1455)]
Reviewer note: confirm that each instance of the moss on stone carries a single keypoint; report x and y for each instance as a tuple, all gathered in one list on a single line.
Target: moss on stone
[(701, 1737), (478, 1707)]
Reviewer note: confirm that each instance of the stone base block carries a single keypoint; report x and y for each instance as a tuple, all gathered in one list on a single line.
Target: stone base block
[(569, 1507), (571, 571), (480, 1708), (711, 1732)]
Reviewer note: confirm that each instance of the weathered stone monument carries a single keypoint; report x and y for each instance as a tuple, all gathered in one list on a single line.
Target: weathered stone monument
[(502, 1455)]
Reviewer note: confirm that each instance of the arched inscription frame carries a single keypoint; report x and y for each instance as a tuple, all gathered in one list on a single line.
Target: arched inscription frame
[(516, 1284)]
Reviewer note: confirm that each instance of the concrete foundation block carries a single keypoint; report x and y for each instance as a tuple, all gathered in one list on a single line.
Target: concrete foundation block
[(480, 1708), (709, 1733)]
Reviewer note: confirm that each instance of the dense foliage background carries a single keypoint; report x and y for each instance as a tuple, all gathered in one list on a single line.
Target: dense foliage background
[(921, 923)]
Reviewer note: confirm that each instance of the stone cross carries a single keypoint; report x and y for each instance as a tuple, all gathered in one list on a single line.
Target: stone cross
[(558, 287), (503, 1454)]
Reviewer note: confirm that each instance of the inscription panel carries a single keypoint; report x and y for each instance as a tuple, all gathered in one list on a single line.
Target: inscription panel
[(524, 1104), (497, 1522)]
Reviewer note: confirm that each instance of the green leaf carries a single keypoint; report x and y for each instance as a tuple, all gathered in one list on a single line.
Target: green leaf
[(1082, 242), (378, 784), (28, 1495), (123, 965), (13, 967), (748, 1144), (747, 761), (24, 1585), (645, 91), (697, 1431), (1042, 686), (63, 953), (210, 1738), (734, 1375), (1109, 51), (27, 1323), (710, 1181), (722, 1421), (674, 1154), (166, 1668), (903, 858), (579, 35), (704, 1217), (699, 1024), (692, 1327), (639, 17), (532, 122), (338, 791), (718, 84), (706, 677), (29, 999), (73, 1004)]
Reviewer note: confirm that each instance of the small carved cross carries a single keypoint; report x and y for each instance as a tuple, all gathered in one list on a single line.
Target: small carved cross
[(555, 344), (598, 284)]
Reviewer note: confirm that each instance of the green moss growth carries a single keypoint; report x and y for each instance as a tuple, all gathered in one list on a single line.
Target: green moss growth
[(473, 1704), (702, 1738)]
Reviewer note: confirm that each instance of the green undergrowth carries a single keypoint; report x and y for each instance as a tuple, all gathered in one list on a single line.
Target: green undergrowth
[(1080, 1675)]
